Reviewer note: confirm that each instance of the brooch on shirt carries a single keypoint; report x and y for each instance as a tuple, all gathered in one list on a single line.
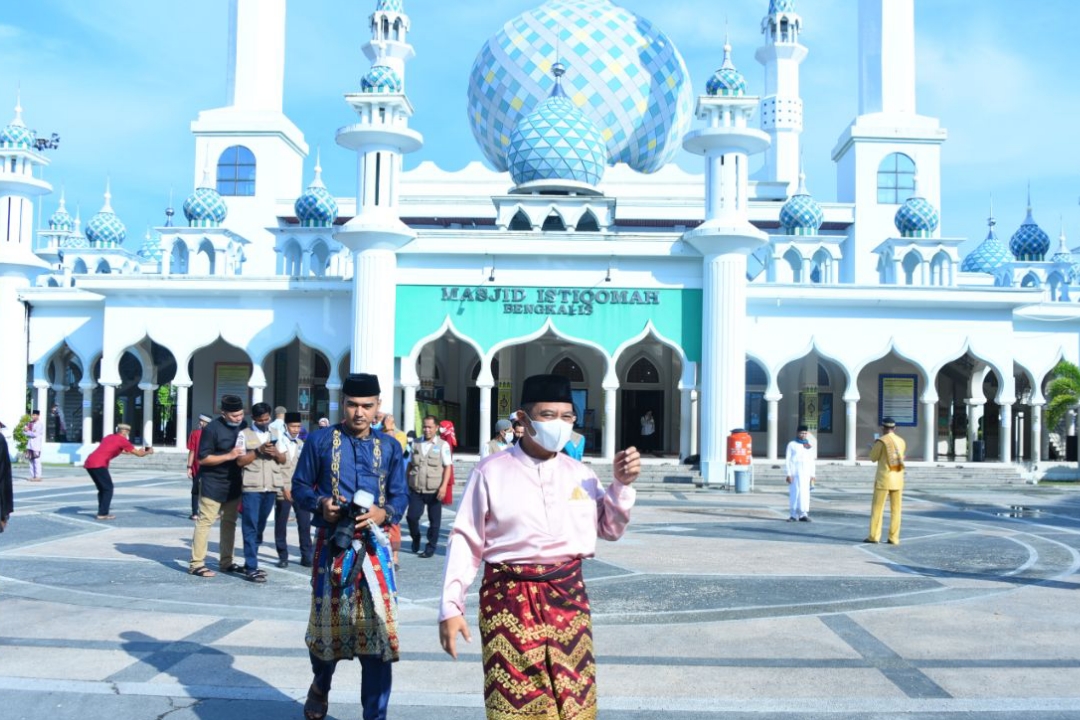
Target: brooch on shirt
[(579, 494)]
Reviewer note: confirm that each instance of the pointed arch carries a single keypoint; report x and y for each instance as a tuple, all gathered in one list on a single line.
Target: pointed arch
[(549, 327), (179, 257), (520, 222), (588, 222), (408, 374), (569, 368), (554, 222)]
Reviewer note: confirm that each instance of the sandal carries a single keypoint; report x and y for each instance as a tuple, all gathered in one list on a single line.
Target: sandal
[(255, 576), (234, 569), (106, 517), (317, 704), (202, 571)]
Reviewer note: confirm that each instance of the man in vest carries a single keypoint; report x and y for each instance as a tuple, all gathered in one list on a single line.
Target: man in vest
[(262, 482), (430, 469), (888, 452)]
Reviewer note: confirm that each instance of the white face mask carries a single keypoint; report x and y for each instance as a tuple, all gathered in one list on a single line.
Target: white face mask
[(552, 435), (508, 436)]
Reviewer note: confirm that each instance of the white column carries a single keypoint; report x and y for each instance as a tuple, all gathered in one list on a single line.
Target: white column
[(333, 410), (408, 413), (374, 301), (1006, 432), (929, 431), (181, 415), (610, 396), (975, 413), (108, 414), (148, 412), (773, 424), (851, 450), (723, 382), (685, 422), (87, 389), (41, 387), (1036, 434), (485, 413), (257, 393), (695, 408)]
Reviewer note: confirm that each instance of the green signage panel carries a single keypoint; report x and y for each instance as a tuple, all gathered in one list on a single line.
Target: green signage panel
[(489, 316)]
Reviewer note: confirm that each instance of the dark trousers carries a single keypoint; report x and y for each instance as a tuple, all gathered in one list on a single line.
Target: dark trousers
[(375, 680), (417, 503), (103, 480), (195, 495), (281, 525), (257, 507)]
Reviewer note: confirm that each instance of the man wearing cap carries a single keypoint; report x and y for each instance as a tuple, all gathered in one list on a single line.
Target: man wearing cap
[(290, 445), (353, 478), (800, 473), (531, 514), (503, 438), (193, 463), (888, 452), (220, 485)]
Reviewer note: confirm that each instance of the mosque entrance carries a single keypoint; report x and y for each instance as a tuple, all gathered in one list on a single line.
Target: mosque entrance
[(635, 404)]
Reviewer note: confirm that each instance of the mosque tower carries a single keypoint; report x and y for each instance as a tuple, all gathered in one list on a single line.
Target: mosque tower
[(375, 233), (781, 106), (725, 238), (257, 151), (879, 155), (19, 266)]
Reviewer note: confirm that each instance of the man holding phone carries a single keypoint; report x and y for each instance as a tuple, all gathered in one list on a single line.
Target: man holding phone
[(262, 482)]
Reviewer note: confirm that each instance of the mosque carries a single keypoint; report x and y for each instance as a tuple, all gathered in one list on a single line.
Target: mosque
[(717, 300)]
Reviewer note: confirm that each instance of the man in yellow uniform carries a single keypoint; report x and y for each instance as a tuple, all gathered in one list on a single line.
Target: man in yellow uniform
[(888, 452)]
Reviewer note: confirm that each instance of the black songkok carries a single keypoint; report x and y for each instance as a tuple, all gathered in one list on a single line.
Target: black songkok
[(293, 417), (888, 423), (802, 428), (361, 385), (546, 388), (231, 403)]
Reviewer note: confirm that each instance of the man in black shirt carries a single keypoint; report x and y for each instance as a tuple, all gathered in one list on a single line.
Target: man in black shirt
[(220, 486)]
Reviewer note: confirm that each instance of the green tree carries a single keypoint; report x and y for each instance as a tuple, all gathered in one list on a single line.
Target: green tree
[(1063, 393), (20, 434)]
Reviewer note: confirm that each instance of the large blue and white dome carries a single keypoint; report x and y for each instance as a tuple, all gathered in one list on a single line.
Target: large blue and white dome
[(205, 208), (1029, 242), (801, 214), (627, 76), (105, 230), (556, 141), (988, 256), (316, 207), (916, 218), (381, 79), (727, 81)]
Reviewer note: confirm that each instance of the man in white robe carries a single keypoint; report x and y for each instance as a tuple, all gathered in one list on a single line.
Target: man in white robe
[(801, 472)]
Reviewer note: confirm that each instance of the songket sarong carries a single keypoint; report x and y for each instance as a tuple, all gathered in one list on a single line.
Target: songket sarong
[(537, 639), (353, 601)]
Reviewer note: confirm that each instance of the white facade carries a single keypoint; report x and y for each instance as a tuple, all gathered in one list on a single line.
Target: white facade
[(676, 292)]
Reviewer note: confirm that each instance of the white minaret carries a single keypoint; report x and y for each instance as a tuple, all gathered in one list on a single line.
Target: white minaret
[(888, 143), (374, 235), (256, 152), (724, 239), (781, 105), (19, 266)]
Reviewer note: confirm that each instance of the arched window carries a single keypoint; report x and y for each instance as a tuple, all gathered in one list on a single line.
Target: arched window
[(895, 179), (103, 268), (755, 374), (569, 369), (553, 223), (520, 221), (643, 372), (822, 376), (236, 171), (494, 370), (588, 223)]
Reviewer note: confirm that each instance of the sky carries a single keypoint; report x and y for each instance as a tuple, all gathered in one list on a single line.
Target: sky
[(121, 80)]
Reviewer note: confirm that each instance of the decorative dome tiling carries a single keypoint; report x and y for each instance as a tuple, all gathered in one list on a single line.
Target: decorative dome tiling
[(205, 208), (801, 215), (727, 81), (628, 77), (988, 256), (916, 218), (1029, 242), (105, 230), (781, 6), (381, 79)]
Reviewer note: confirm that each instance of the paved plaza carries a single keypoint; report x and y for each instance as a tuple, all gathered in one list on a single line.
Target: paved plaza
[(711, 606)]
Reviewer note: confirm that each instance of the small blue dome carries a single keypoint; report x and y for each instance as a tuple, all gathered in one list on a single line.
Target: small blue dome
[(205, 208), (916, 218), (61, 220), (801, 214), (1029, 242), (316, 207), (17, 135), (75, 240), (381, 79), (781, 6), (556, 141), (727, 81), (988, 256), (396, 6), (105, 229)]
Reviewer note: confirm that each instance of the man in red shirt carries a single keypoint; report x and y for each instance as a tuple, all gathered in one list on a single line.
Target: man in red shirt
[(193, 463), (97, 465)]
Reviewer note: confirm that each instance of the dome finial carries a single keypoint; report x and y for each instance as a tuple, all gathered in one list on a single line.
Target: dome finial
[(802, 176), (317, 182), (206, 181), (18, 106), (990, 220), (558, 70), (62, 192), (107, 207)]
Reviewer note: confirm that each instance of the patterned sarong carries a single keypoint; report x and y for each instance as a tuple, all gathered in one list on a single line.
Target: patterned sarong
[(537, 638), (353, 602)]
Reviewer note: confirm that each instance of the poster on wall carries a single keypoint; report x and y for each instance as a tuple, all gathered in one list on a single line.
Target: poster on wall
[(816, 410), (232, 379), (898, 398), (303, 398), (755, 411)]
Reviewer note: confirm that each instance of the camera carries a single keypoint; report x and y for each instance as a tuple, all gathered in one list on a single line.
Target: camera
[(345, 529)]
